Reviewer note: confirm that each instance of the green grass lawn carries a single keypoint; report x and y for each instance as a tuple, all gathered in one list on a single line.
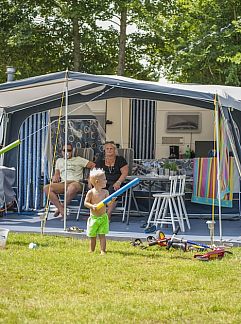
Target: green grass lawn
[(61, 282)]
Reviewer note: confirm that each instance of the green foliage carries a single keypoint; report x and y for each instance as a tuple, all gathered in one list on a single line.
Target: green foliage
[(186, 41), (170, 166), (38, 37), (201, 41), (167, 165), (61, 282), (173, 166)]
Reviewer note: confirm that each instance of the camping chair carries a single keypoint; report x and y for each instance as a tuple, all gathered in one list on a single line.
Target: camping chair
[(128, 154), (77, 202), (87, 153)]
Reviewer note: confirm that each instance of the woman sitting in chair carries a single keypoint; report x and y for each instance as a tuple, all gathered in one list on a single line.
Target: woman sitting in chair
[(116, 170)]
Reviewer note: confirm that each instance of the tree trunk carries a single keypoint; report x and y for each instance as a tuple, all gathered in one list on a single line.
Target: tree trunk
[(122, 45), (76, 41)]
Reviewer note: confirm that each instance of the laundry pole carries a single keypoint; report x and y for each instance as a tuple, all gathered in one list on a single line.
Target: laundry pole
[(66, 149)]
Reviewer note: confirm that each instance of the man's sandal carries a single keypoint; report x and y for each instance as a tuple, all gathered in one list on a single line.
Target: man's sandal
[(75, 229)]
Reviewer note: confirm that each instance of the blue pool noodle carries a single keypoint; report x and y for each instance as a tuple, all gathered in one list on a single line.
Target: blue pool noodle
[(118, 193)]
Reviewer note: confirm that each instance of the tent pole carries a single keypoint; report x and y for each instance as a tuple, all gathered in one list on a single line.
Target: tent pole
[(121, 122), (65, 152), (218, 171)]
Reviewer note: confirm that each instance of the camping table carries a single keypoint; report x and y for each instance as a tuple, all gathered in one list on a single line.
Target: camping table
[(150, 181)]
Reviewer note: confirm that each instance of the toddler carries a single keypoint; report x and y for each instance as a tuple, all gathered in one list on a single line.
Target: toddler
[(98, 222)]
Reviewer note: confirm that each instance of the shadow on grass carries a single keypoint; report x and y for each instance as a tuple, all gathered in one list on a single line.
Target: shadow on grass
[(26, 244), (136, 252), (182, 257)]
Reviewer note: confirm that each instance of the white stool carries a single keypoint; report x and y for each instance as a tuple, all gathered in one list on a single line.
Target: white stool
[(163, 202), (180, 200)]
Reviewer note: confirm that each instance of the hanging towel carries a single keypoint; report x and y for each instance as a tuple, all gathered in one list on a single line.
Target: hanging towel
[(203, 181)]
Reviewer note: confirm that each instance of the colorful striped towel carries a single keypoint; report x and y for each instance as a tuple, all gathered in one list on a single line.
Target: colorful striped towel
[(205, 182)]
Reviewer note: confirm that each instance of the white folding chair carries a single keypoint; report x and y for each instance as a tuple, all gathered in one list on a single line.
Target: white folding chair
[(164, 209), (181, 200)]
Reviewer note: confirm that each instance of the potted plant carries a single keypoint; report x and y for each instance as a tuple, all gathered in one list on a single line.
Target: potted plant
[(173, 168), (166, 167)]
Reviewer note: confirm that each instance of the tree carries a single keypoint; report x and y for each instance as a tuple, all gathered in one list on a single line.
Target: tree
[(201, 41), (134, 48), (45, 36)]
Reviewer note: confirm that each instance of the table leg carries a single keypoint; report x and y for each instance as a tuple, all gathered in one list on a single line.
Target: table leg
[(129, 206), (149, 200), (125, 206)]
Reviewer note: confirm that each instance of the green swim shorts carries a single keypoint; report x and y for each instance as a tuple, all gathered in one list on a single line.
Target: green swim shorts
[(97, 225)]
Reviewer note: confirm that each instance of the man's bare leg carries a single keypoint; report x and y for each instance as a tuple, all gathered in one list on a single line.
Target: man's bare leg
[(92, 244), (52, 192), (102, 244), (72, 189), (58, 188)]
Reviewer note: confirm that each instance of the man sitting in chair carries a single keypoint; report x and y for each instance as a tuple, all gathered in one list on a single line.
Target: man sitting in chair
[(75, 166)]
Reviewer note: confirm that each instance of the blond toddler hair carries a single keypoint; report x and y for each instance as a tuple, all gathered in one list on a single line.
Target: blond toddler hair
[(95, 174)]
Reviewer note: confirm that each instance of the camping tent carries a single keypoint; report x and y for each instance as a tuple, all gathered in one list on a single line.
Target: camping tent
[(20, 99)]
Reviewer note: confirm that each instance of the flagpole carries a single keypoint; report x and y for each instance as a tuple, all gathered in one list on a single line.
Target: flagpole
[(65, 152), (218, 169)]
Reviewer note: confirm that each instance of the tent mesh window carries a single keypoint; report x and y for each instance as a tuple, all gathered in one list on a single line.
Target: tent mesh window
[(143, 125), (82, 133), (32, 165)]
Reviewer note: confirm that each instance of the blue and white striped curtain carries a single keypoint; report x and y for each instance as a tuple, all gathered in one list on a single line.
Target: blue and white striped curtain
[(32, 166), (143, 125)]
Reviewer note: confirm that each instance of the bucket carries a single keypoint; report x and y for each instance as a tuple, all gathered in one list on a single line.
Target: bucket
[(3, 237)]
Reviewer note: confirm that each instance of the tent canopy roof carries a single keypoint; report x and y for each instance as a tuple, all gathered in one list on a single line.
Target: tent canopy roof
[(42, 90)]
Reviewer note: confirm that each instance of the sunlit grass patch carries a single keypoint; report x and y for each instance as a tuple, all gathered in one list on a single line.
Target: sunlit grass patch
[(61, 282)]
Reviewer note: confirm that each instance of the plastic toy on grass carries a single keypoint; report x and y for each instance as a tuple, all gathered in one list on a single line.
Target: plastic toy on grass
[(185, 245), (217, 253), (160, 240), (32, 246), (3, 237), (138, 243)]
